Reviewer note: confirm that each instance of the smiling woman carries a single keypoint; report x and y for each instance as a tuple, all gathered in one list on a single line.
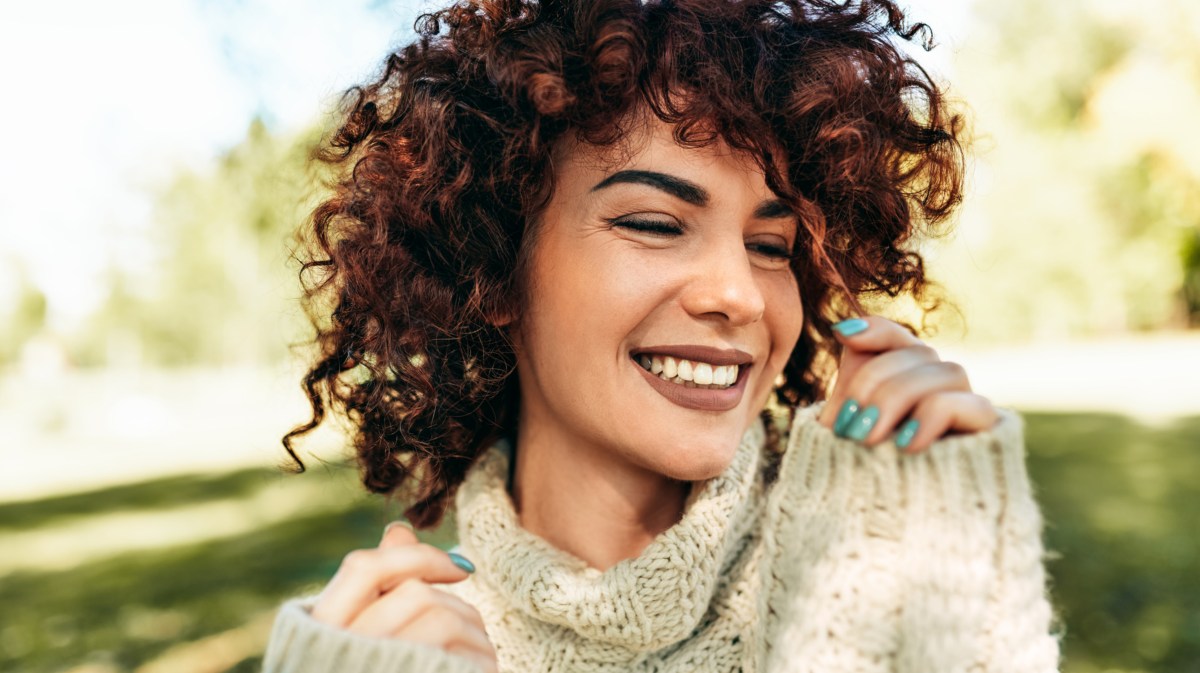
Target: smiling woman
[(578, 253)]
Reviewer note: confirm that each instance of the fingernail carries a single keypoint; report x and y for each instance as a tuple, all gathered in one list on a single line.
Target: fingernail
[(845, 415), (462, 562), (851, 326), (905, 436), (861, 425)]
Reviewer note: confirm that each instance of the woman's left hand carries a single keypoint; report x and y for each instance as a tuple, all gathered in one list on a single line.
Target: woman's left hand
[(889, 380)]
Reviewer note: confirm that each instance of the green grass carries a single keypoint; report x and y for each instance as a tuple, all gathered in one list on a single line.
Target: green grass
[(126, 610), (160, 493), (1121, 501)]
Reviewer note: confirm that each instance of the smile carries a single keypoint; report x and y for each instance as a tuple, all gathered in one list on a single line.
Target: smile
[(694, 377), (690, 373)]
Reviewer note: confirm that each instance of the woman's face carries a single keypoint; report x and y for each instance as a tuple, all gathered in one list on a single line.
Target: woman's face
[(672, 263)]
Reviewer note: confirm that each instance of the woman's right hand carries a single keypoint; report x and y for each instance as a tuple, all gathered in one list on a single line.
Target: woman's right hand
[(388, 592)]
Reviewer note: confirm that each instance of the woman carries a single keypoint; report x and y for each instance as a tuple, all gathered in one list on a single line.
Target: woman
[(584, 270)]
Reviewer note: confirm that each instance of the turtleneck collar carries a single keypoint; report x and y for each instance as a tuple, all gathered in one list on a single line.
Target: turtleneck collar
[(644, 603)]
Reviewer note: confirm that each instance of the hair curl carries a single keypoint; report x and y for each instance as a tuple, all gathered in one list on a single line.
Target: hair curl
[(444, 163)]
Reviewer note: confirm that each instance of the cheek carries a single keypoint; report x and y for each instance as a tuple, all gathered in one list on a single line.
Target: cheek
[(583, 304), (784, 317)]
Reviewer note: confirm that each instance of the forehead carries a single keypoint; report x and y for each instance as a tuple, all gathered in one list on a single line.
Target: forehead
[(650, 145)]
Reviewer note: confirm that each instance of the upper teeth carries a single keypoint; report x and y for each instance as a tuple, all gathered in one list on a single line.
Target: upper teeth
[(690, 372)]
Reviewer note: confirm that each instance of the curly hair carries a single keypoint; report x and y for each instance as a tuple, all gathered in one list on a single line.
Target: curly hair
[(444, 163)]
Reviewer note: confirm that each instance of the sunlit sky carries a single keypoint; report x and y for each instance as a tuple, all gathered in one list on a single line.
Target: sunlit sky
[(105, 100)]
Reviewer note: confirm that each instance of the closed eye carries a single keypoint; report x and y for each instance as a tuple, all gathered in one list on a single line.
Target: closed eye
[(657, 228), (772, 251)]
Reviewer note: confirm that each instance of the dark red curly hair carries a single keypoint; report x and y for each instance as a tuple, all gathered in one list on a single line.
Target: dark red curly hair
[(444, 163)]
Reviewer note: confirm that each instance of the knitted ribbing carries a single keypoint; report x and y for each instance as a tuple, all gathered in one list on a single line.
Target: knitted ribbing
[(849, 560), (300, 644), (639, 605)]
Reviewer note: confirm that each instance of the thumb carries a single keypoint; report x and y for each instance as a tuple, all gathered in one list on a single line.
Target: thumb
[(398, 534)]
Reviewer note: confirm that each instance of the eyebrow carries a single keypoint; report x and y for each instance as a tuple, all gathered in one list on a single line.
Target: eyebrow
[(688, 191)]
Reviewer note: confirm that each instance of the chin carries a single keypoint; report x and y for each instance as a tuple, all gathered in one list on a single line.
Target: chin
[(697, 459)]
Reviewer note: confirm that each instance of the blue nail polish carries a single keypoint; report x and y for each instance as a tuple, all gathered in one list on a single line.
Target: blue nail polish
[(860, 426), (851, 326), (905, 436), (462, 562), (845, 415)]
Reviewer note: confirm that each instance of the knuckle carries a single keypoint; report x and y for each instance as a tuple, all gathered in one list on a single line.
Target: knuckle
[(357, 561), (979, 403), (927, 352), (956, 371)]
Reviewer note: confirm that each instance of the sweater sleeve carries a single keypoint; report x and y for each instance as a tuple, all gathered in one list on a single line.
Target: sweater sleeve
[(301, 644), (927, 562)]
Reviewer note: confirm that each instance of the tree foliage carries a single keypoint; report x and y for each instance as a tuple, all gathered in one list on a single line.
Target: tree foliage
[(1087, 175), (224, 290)]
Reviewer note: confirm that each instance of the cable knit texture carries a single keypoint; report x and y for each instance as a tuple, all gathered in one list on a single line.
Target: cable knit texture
[(828, 557)]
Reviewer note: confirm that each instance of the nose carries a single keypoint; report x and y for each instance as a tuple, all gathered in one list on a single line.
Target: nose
[(724, 286)]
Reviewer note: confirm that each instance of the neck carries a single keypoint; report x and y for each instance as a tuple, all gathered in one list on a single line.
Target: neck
[(590, 502)]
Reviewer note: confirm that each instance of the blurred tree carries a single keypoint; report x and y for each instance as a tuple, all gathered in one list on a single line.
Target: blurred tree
[(1191, 281), (27, 319), (224, 291), (1087, 181)]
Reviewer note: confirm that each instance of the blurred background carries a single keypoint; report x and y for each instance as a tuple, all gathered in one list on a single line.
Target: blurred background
[(154, 167)]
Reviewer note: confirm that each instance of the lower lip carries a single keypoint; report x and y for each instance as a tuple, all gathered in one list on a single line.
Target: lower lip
[(701, 399)]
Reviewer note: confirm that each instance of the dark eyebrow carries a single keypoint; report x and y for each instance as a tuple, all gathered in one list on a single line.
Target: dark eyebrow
[(687, 191)]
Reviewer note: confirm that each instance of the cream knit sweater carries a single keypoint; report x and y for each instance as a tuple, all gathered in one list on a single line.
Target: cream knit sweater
[(830, 557)]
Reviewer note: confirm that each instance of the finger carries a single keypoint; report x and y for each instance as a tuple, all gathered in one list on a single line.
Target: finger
[(399, 607), (862, 339), (873, 334), (945, 412), (880, 368), (896, 397), (365, 574), (398, 534), (446, 629), (855, 394)]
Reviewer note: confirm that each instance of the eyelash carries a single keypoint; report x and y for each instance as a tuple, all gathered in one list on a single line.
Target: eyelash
[(651, 227), (667, 229)]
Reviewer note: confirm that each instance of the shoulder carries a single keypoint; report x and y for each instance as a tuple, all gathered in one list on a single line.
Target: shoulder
[(989, 464), (971, 481), (940, 550)]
